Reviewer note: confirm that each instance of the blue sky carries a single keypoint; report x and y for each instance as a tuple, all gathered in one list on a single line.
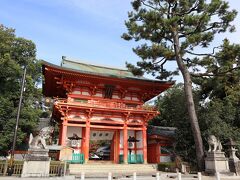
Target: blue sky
[(87, 30)]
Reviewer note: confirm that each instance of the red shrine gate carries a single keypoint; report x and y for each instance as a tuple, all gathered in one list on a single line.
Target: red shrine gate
[(94, 102)]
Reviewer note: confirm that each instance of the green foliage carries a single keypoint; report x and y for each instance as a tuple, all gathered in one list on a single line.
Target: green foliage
[(220, 117), (174, 30), (223, 73), (15, 53), (173, 113), (156, 24)]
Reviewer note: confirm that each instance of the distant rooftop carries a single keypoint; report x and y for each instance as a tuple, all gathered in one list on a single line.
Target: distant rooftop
[(162, 131), (81, 66)]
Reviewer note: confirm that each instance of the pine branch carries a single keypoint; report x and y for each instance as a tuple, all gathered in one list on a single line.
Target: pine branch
[(190, 10), (159, 61), (148, 5), (203, 54), (217, 74), (169, 10), (162, 64), (214, 25)]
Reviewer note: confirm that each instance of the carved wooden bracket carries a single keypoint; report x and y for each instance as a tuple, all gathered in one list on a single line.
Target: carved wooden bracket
[(93, 90), (123, 93), (89, 113), (127, 115)]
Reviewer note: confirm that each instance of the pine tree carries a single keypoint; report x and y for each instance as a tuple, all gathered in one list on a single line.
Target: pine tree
[(173, 30)]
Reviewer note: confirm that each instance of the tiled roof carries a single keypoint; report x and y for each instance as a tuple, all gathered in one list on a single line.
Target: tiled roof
[(85, 67), (161, 131)]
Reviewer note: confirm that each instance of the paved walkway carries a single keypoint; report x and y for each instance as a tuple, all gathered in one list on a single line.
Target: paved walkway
[(163, 177)]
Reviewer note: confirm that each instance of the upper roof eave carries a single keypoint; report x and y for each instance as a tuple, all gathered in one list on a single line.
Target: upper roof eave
[(105, 75)]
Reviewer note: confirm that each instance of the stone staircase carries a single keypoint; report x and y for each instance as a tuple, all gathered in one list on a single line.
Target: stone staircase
[(117, 170)]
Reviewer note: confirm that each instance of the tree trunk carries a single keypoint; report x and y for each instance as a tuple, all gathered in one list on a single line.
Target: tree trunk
[(190, 103)]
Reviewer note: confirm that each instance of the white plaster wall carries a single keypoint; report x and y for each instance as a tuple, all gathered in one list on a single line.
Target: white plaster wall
[(139, 137), (139, 152), (121, 139), (114, 96), (76, 92), (76, 130), (121, 152), (132, 134), (127, 98), (135, 99), (98, 94), (85, 93)]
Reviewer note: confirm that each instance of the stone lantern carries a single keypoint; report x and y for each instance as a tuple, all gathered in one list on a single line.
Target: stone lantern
[(233, 159), (75, 140), (232, 150)]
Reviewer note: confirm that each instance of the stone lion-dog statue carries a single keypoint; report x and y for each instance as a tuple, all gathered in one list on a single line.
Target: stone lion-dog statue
[(39, 141), (214, 144)]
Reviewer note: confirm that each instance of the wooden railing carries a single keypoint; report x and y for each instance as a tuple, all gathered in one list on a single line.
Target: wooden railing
[(3, 167), (17, 168), (107, 104), (56, 168)]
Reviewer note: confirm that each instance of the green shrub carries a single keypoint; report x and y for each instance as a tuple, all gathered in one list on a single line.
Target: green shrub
[(169, 167)]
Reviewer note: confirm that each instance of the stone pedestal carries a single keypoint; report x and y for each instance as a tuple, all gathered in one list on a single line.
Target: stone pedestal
[(216, 162), (36, 164)]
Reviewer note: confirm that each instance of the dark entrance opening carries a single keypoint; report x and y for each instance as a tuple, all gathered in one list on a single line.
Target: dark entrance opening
[(100, 147), (100, 150)]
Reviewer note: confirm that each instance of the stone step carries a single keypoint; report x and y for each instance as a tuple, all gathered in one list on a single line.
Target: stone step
[(135, 169), (111, 168), (113, 171), (116, 166), (119, 169), (115, 174)]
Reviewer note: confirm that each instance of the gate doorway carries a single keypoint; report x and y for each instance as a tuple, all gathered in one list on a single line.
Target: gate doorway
[(101, 145)]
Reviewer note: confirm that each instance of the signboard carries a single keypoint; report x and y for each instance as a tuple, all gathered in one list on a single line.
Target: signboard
[(65, 154)]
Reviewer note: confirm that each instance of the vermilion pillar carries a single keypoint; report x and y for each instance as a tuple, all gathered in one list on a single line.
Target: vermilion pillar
[(87, 140), (125, 144), (144, 136), (83, 141), (117, 147), (63, 135)]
